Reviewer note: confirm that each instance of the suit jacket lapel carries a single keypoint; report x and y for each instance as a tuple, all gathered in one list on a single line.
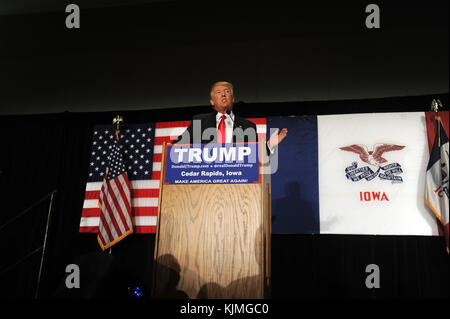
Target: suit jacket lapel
[(237, 124), (209, 122)]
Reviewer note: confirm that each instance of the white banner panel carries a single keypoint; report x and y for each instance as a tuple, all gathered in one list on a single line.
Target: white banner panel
[(372, 174)]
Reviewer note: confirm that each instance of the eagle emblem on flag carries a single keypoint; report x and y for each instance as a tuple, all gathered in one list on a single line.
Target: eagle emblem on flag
[(373, 157)]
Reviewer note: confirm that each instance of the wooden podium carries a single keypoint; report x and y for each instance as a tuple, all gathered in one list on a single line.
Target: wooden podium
[(213, 240)]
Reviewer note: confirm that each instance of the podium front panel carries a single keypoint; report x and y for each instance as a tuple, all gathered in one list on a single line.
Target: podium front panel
[(211, 240)]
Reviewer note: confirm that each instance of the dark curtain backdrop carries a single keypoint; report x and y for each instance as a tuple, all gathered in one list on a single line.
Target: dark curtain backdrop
[(41, 153)]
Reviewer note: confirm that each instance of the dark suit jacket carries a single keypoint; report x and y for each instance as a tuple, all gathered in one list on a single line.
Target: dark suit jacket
[(206, 131)]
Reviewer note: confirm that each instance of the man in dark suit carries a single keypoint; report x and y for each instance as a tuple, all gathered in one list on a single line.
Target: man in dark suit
[(222, 125)]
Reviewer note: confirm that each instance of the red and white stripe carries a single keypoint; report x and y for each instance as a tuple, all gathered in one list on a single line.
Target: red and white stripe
[(144, 193), (115, 217)]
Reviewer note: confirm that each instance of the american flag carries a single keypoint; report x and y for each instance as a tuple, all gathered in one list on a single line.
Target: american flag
[(144, 189), (115, 201), (136, 143)]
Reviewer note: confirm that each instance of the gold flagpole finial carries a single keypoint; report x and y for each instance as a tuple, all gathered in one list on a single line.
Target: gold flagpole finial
[(117, 120), (435, 105)]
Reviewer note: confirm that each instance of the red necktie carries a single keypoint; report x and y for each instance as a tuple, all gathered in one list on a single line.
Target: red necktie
[(221, 131)]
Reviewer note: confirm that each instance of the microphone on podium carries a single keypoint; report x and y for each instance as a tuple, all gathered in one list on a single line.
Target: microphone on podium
[(229, 114)]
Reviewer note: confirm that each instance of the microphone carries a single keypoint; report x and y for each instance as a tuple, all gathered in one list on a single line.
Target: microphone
[(240, 126), (229, 114)]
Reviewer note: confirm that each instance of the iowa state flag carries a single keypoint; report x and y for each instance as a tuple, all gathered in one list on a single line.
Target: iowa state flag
[(437, 176), (352, 174)]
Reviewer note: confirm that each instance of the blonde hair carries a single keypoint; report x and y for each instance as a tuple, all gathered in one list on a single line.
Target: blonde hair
[(225, 83)]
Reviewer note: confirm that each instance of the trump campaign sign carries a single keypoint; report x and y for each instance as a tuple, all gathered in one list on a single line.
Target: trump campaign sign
[(212, 164)]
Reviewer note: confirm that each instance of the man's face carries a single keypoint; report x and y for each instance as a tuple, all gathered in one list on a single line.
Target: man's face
[(222, 98)]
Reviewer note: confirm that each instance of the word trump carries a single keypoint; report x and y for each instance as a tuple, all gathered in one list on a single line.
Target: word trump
[(212, 164), (235, 154)]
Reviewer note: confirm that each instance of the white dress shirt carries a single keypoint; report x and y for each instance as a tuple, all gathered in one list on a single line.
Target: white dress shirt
[(228, 125), (229, 120)]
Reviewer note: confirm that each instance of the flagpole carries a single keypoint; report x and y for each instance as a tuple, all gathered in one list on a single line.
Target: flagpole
[(116, 120), (50, 207), (435, 104)]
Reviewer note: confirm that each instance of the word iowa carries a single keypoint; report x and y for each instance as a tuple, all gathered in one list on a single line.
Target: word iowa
[(373, 196)]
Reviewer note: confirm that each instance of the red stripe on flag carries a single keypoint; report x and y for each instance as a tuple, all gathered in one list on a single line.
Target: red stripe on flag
[(134, 193), (156, 175), (88, 229), (136, 211), (140, 193), (157, 157), (92, 194), (126, 194), (172, 124), (161, 139), (91, 212), (145, 211), (258, 120), (137, 229), (145, 229), (107, 209), (117, 200), (104, 225)]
